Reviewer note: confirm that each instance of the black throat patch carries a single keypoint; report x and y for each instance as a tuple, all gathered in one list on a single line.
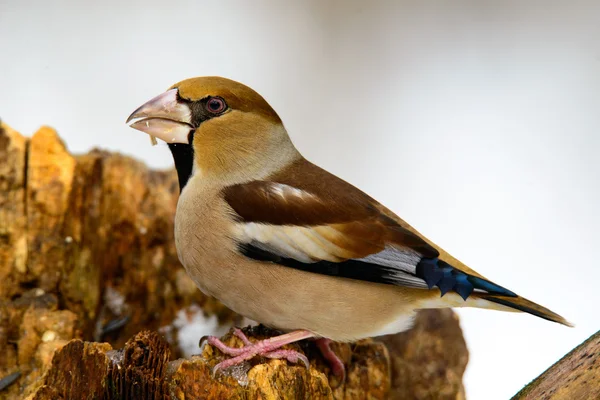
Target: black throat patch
[(183, 153), (183, 156)]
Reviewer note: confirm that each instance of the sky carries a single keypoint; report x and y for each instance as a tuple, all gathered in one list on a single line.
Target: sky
[(477, 122)]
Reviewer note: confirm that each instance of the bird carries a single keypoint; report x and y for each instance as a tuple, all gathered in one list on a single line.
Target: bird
[(285, 243)]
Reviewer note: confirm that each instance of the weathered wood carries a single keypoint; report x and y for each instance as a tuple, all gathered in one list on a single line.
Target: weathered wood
[(576, 376)]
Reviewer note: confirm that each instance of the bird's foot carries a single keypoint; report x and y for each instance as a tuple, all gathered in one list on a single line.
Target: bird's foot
[(337, 365), (270, 348)]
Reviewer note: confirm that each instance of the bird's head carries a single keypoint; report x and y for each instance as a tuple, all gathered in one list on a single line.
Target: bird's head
[(217, 128)]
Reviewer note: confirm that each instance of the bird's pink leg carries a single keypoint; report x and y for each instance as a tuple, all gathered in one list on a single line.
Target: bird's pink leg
[(270, 348), (287, 354), (337, 366), (239, 334)]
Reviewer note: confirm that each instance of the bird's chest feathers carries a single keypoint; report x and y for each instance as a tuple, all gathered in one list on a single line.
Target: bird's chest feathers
[(203, 227)]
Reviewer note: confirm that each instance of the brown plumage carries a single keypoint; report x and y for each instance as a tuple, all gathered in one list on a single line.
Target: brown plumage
[(353, 213), (286, 243)]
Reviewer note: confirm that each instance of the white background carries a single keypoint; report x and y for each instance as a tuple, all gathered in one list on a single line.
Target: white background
[(476, 121)]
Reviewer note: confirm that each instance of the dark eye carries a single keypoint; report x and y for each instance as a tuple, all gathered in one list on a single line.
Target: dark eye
[(216, 105)]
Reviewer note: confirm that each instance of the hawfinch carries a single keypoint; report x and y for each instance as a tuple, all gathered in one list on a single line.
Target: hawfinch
[(285, 243)]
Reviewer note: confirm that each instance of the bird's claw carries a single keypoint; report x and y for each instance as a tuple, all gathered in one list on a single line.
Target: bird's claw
[(291, 355), (336, 364), (251, 350), (237, 332)]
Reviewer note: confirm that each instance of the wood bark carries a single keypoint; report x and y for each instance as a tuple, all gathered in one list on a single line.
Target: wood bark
[(574, 377)]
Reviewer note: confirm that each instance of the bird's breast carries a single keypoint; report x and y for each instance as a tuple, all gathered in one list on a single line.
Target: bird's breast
[(203, 226)]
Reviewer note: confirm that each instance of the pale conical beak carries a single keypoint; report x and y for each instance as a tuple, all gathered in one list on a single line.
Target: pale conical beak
[(165, 117)]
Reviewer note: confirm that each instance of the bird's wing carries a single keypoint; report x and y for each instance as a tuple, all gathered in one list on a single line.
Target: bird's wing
[(308, 219)]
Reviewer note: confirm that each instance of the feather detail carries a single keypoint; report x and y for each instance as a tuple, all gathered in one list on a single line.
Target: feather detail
[(436, 272), (519, 303), (345, 235)]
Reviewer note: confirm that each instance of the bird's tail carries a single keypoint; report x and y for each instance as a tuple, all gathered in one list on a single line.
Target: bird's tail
[(494, 302), (517, 303), (463, 287)]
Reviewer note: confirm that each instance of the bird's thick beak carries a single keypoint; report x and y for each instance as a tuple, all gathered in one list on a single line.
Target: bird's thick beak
[(165, 117)]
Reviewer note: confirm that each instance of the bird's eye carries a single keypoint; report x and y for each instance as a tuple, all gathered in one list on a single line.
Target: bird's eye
[(216, 105)]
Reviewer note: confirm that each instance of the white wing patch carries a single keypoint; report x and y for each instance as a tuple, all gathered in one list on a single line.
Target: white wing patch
[(304, 244), (285, 191), (311, 244)]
